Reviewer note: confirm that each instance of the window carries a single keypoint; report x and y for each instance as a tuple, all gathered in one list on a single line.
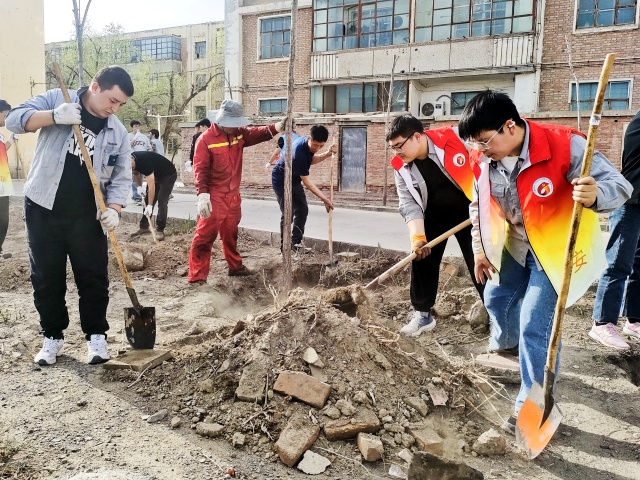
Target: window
[(445, 19), (604, 13), (459, 100), (156, 48), (616, 96), (201, 80), (344, 24), (275, 37), (272, 106), (201, 112), (358, 98), (201, 49)]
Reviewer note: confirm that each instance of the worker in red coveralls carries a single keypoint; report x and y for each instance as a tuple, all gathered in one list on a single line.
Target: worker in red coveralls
[(217, 170)]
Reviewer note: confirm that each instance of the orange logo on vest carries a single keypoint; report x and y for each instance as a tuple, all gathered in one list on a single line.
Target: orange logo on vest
[(543, 187)]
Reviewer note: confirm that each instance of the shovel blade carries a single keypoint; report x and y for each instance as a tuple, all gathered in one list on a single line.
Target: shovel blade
[(140, 327), (533, 435)]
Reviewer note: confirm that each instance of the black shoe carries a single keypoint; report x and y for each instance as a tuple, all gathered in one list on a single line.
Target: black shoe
[(513, 351), (142, 231), (509, 425), (240, 272)]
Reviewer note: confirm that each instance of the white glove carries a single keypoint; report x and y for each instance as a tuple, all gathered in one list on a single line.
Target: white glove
[(267, 165), (280, 126), (67, 114), (13, 137), (109, 219), (140, 190), (204, 205), (148, 210)]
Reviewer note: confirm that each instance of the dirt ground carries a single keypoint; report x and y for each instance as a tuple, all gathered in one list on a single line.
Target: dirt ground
[(77, 421)]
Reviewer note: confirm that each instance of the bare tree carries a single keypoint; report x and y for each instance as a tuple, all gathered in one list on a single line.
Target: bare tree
[(575, 77), (386, 125), (79, 31), (286, 231)]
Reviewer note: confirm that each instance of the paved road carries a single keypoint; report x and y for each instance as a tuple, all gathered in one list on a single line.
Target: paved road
[(358, 227)]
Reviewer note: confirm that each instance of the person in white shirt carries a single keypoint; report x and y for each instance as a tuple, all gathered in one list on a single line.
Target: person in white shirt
[(156, 143)]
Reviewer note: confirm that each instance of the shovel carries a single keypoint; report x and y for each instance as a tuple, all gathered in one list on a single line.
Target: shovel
[(151, 227), (409, 258), (332, 263), (540, 417), (139, 321)]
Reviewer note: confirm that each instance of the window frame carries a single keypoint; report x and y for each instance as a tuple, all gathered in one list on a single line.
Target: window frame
[(271, 113), (605, 28), (383, 24), (259, 39), (199, 44), (628, 81), (330, 97), (465, 92), (490, 18)]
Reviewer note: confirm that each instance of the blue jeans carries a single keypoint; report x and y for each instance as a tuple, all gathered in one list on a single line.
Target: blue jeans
[(134, 192), (623, 257), (521, 313)]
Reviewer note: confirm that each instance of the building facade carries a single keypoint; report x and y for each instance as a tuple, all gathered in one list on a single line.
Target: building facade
[(441, 53), (21, 68), (192, 52)]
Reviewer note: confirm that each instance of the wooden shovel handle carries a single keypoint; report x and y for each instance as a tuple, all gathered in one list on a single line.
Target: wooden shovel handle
[(94, 182), (409, 258), (558, 315)]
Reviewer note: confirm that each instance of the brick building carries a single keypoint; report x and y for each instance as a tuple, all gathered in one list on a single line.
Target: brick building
[(444, 52)]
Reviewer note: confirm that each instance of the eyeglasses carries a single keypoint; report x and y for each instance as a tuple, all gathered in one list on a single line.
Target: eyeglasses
[(483, 146), (397, 148)]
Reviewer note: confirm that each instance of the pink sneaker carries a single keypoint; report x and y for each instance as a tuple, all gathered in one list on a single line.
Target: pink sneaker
[(608, 336), (631, 329)]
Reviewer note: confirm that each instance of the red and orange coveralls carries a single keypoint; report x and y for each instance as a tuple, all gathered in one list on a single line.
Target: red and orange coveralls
[(217, 169)]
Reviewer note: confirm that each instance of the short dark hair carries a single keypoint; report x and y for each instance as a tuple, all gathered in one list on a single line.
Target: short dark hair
[(281, 142), (111, 76), (154, 132), (134, 123), (403, 126), (4, 106), (488, 110), (205, 122), (319, 133)]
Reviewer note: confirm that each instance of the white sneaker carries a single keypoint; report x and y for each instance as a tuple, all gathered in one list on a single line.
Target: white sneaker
[(631, 329), (97, 347), (50, 350), (420, 322), (608, 336)]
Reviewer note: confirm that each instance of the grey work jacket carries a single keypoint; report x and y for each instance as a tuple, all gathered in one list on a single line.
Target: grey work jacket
[(111, 156)]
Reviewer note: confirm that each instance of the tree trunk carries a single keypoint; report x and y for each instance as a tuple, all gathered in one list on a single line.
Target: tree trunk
[(286, 231)]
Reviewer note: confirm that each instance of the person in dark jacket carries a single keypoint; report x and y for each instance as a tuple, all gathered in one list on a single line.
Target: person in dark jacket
[(161, 176), (623, 257), (201, 127)]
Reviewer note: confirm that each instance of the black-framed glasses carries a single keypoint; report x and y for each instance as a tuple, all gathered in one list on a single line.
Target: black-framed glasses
[(483, 146), (397, 148)]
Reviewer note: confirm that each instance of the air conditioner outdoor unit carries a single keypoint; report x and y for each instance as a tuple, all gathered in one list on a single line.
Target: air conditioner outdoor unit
[(433, 109)]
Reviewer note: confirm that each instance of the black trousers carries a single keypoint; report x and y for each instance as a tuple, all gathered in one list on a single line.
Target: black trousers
[(164, 188), (300, 212), (4, 219), (426, 272), (51, 239)]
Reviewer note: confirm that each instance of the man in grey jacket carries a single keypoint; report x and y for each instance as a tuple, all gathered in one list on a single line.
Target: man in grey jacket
[(62, 219)]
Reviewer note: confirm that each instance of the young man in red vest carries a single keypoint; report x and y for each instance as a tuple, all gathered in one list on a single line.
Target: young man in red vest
[(434, 183), (527, 179)]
